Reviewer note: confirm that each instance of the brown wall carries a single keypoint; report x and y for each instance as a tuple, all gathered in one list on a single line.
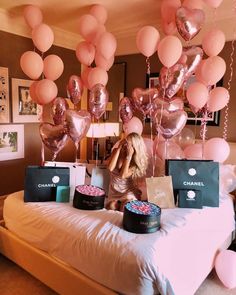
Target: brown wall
[(11, 49), (136, 77)]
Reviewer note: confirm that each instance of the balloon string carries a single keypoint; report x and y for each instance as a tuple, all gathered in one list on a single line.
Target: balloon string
[(203, 131), (148, 67), (226, 116)]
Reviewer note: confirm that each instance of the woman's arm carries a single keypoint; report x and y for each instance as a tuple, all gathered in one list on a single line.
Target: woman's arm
[(126, 170), (114, 157)]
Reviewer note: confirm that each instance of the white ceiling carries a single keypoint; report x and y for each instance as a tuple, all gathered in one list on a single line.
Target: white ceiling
[(125, 18)]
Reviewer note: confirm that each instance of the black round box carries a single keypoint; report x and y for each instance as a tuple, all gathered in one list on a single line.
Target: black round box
[(141, 223), (88, 202)]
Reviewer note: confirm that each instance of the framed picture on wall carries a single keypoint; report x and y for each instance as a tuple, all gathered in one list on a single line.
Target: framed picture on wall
[(11, 142), (24, 109), (4, 96)]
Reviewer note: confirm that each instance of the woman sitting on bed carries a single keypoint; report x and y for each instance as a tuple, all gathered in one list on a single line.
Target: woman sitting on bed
[(127, 164)]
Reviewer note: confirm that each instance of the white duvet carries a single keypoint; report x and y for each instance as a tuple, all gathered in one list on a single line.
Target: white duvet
[(174, 260)]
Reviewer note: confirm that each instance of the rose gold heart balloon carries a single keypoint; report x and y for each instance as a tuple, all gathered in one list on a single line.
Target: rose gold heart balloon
[(143, 99), (53, 136), (175, 105), (189, 22), (168, 123), (98, 99), (75, 89), (191, 58), (125, 109), (78, 123), (59, 106), (171, 79)]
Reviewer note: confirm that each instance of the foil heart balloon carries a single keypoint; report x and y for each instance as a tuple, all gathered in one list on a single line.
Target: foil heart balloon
[(78, 123), (171, 79), (191, 58), (98, 99), (169, 124), (143, 99), (172, 106), (189, 22), (125, 110), (53, 136), (59, 107), (75, 89)]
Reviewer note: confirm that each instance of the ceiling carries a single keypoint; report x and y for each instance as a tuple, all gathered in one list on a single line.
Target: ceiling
[(125, 18)]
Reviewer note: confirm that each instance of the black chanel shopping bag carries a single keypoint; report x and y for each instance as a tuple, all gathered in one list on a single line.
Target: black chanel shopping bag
[(196, 175), (41, 182)]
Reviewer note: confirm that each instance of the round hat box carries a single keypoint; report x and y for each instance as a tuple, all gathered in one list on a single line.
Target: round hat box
[(141, 217), (89, 197)]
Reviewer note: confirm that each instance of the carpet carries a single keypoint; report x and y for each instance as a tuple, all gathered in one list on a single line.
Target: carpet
[(16, 281)]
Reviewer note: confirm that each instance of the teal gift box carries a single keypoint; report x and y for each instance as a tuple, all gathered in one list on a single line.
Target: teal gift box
[(63, 194)]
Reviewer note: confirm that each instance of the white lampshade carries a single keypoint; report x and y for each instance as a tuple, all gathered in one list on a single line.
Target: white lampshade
[(100, 130), (112, 129), (96, 130)]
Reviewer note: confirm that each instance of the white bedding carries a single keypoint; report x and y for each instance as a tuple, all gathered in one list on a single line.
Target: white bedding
[(174, 260)]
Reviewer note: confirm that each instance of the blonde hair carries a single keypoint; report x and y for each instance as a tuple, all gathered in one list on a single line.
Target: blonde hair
[(140, 155)]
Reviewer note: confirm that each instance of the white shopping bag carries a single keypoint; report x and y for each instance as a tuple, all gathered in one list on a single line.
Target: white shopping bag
[(77, 173), (101, 177)]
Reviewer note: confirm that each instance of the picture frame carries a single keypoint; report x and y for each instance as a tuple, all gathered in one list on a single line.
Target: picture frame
[(4, 96), (213, 119), (11, 142), (24, 109)]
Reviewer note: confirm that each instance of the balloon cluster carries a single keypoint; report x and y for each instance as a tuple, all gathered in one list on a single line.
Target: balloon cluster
[(68, 123), (164, 104), (98, 47), (32, 63)]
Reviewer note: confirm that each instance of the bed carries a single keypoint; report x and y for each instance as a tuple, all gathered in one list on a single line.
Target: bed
[(88, 252)]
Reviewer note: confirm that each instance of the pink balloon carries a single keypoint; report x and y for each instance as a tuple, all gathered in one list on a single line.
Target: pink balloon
[(197, 94), (189, 22), (33, 16), (98, 99), (172, 79), (59, 107), (99, 31), (78, 123), (218, 99), (31, 64), (99, 12), (125, 109), (54, 137), (225, 268), (143, 99), (147, 39), (185, 138), (168, 9), (174, 105), (88, 26), (43, 37), (84, 76), (169, 150), (85, 52), (169, 124), (97, 76), (134, 125), (216, 149), (213, 3), (193, 4), (193, 152), (103, 63), (53, 67), (46, 91), (169, 50), (32, 90), (212, 70), (75, 89), (107, 44), (213, 42)]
